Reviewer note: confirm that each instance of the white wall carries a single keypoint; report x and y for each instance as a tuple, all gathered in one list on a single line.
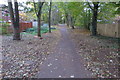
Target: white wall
[(34, 23)]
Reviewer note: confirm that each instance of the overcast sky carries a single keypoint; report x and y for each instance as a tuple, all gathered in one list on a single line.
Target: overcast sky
[(3, 2)]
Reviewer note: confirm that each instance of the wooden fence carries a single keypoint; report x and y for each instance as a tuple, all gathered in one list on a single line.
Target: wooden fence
[(110, 30), (23, 26)]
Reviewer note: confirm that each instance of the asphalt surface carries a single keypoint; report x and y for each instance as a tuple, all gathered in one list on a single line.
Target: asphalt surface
[(64, 62)]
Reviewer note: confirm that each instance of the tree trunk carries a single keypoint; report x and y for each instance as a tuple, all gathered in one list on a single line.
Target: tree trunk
[(50, 18), (67, 20), (16, 35), (38, 14), (72, 23), (89, 19), (39, 26), (16, 29), (14, 20), (94, 20)]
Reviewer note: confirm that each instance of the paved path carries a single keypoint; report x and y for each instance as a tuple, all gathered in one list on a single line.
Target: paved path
[(65, 62)]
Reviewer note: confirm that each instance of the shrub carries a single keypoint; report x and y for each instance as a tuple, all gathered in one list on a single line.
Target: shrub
[(4, 28)]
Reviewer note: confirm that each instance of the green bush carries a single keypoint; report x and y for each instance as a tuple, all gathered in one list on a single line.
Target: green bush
[(34, 30), (3, 28)]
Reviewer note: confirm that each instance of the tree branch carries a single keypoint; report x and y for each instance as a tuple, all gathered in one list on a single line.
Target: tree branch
[(40, 4), (90, 6), (35, 8)]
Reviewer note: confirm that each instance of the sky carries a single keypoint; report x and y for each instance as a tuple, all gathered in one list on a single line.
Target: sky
[(3, 2)]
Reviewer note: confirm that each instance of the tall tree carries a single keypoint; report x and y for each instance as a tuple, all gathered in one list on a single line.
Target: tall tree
[(14, 19), (50, 17), (64, 7), (38, 11), (69, 14), (72, 20), (94, 9)]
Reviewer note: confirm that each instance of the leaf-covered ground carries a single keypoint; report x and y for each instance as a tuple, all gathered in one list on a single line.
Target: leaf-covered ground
[(99, 53), (23, 58)]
